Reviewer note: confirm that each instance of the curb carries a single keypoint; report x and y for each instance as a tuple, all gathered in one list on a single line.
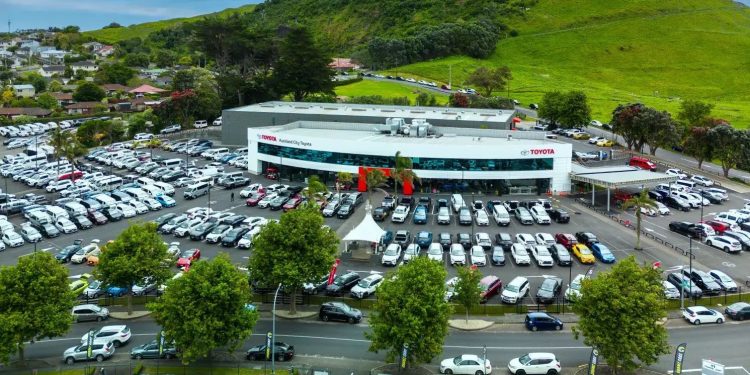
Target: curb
[(125, 316), (480, 324), (297, 316)]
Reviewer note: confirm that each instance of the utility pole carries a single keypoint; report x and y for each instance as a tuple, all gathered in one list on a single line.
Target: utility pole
[(450, 77)]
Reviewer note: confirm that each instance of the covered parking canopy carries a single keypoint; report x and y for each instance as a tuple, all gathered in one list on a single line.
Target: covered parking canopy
[(615, 177)]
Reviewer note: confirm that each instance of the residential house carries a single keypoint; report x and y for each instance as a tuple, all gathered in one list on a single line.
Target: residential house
[(147, 89), (30, 44), (4, 44), (85, 108), (105, 51), (138, 105), (92, 46), (53, 56), (63, 98), (87, 65), (342, 64), (111, 88), (48, 71), (24, 91), (15, 112)]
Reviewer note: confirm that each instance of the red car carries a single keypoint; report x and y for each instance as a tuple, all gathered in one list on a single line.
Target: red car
[(718, 226), (489, 286), (255, 198), (70, 176), (292, 203), (187, 257), (566, 239)]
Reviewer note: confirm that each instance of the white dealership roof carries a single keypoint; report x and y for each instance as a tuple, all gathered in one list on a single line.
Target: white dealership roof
[(618, 176)]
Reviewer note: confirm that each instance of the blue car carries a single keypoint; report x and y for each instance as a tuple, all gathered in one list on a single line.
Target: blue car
[(228, 157), (602, 253), (165, 201), (116, 291), (420, 215), (424, 239)]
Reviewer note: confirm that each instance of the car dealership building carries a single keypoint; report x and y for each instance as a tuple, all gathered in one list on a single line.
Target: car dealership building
[(444, 158)]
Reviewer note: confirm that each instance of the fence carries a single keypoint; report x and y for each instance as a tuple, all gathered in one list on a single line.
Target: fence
[(208, 133)]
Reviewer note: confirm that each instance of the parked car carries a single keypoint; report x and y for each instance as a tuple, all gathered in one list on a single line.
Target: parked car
[(367, 286), (466, 364), (281, 352), (342, 284), (535, 363), (99, 352), (738, 311), (549, 290), (152, 350), (700, 314), (339, 311), (537, 321)]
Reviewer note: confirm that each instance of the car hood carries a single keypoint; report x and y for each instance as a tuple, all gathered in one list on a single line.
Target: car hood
[(448, 362), (545, 293)]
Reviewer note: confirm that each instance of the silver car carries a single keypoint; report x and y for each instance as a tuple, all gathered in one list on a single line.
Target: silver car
[(524, 216), (99, 352), (89, 312), (443, 216)]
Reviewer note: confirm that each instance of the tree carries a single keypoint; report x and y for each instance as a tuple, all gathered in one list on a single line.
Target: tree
[(7, 96), (458, 100), (402, 173), (139, 60), (374, 178), (631, 298), (732, 143), (467, 290), (138, 123), (660, 130), (36, 302), (637, 202), (698, 144), (47, 101), (343, 178), (405, 315), (625, 123), (136, 254), (69, 72), (112, 25), (302, 67), (294, 251), (55, 86), (315, 187), (89, 92), (567, 110), (206, 309), (489, 80), (36, 80), (114, 73), (94, 133), (693, 112)]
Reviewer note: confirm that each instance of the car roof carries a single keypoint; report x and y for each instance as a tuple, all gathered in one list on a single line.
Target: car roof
[(541, 355), (471, 356), (697, 308), (488, 279), (518, 280), (538, 315)]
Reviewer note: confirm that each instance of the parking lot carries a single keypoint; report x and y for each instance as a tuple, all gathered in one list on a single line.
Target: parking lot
[(615, 236)]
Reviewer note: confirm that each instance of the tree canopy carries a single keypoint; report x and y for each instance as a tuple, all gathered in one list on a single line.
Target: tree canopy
[(205, 309), (619, 312), (137, 253), (734, 146), (294, 251), (466, 291), (567, 110), (89, 92), (692, 112), (302, 67), (417, 317), (114, 73), (489, 80), (36, 302)]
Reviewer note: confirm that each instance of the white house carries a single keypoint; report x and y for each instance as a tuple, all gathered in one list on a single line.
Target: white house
[(53, 55), (48, 71), (24, 91), (88, 66)]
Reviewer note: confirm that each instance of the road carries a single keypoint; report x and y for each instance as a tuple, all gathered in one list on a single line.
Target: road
[(312, 338)]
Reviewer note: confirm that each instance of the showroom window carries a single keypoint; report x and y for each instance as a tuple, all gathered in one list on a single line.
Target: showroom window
[(429, 164)]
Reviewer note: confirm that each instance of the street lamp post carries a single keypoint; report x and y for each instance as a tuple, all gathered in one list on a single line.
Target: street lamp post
[(273, 332)]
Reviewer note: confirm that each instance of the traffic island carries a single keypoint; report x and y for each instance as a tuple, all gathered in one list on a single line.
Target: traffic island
[(123, 315), (283, 314), (470, 325)]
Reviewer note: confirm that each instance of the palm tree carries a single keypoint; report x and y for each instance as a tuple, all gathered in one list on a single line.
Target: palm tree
[(314, 187), (342, 178), (639, 201), (402, 173), (375, 178)]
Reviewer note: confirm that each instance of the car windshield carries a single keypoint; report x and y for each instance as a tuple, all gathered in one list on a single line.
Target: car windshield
[(585, 250), (547, 285), (363, 283), (724, 278), (542, 251), (525, 360), (575, 285), (477, 252), (457, 360), (391, 251), (411, 250), (458, 251), (94, 285), (435, 251), (511, 288), (423, 235)]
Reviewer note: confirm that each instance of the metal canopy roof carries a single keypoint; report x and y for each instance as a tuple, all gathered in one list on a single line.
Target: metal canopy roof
[(618, 176)]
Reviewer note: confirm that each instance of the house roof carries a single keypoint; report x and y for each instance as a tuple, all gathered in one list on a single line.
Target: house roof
[(114, 87), (342, 63), (54, 68), (15, 111), (23, 87), (84, 105), (62, 95), (146, 89), (84, 63)]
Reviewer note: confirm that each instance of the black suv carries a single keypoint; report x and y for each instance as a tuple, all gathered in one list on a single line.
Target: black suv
[(339, 311), (345, 210), (342, 284), (708, 285), (686, 229), (403, 238), (200, 232), (464, 239), (548, 291), (559, 215), (445, 240), (407, 201), (504, 240), (586, 238), (380, 213)]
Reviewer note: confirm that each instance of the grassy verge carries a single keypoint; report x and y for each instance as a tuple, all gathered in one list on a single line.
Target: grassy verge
[(386, 90)]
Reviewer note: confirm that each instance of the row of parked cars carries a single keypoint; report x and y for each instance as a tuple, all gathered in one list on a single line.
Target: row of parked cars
[(39, 128), (203, 148)]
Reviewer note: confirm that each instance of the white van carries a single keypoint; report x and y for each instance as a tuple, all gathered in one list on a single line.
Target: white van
[(152, 190), (110, 183), (501, 215), (209, 154), (172, 162), (168, 189), (136, 193), (56, 212), (143, 181), (685, 183), (196, 190), (208, 171), (105, 200), (225, 175), (457, 201), (210, 180), (75, 208)]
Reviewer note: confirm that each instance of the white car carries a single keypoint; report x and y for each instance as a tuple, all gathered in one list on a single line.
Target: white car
[(542, 256), (247, 239), (724, 280), (217, 122), (545, 239), (435, 252), (411, 252), (66, 226), (127, 211), (535, 363), (648, 211), (30, 233), (367, 286), (478, 257), (468, 364), (699, 198), (151, 203), (676, 172), (400, 213), (702, 180), (574, 289), (540, 215), (482, 218), (670, 291), (250, 190), (142, 288), (663, 210), (81, 256), (707, 229), (391, 255), (520, 254), (117, 335), (450, 288), (458, 255), (699, 314), (484, 240), (526, 239), (593, 140), (515, 290), (217, 233), (267, 200), (728, 244), (139, 207), (596, 123), (443, 216), (12, 239), (199, 124)]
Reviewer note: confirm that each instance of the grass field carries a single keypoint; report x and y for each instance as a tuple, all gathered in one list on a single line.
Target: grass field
[(386, 90), (117, 34), (620, 51)]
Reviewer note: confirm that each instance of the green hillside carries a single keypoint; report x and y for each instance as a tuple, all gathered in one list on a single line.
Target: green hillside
[(621, 51), (113, 35)]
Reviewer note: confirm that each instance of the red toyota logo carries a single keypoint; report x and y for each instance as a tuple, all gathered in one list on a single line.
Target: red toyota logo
[(542, 151), (268, 137)]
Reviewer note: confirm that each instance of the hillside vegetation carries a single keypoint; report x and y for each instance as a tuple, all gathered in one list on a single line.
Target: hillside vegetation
[(143, 30), (621, 51)]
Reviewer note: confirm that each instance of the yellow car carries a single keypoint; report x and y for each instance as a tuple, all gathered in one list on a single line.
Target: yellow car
[(78, 286), (605, 143), (583, 253), (582, 136)]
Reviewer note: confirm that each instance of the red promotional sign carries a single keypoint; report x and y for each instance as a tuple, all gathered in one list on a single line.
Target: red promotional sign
[(657, 265), (332, 275)]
